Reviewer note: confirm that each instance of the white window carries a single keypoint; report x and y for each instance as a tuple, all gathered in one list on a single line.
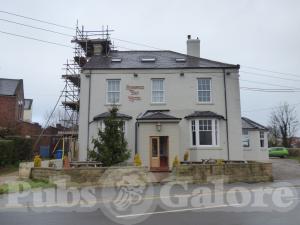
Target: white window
[(246, 140), (113, 91), (205, 132), (204, 90), (262, 139), (158, 91)]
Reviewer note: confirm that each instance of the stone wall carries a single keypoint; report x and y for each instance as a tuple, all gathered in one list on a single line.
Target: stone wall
[(193, 173), (233, 172), (102, 176)]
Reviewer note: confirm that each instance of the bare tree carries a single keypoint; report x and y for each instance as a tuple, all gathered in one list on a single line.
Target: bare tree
[(284, 123), (56, 118)]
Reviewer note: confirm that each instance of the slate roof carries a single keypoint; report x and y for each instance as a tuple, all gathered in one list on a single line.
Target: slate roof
[(157, 115), (204, 114), (250, 124), (8, 87), (28, 104), (164, 60), (106, 114)]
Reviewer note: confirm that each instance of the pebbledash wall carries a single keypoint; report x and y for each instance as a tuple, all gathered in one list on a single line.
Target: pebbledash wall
[(180, 99)]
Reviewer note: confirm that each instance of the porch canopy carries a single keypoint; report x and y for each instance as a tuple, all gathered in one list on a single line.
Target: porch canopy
[(157, 115)]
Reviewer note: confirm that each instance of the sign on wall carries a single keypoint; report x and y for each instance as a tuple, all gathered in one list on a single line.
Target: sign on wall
[(134, 92)]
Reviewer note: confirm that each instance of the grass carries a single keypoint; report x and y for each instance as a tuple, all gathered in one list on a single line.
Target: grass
[(294, 158), (9, 169), (17, 186)]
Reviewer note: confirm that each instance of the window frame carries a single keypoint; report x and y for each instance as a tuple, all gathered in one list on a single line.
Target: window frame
[(215, 133), (245, 138), (262, 139), (163, 91), (107, 92), (210, 90)]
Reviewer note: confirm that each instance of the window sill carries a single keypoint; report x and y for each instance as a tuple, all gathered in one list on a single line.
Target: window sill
[(204, 103), (112, 104), (247, 149), (158, 103), (207, 148)]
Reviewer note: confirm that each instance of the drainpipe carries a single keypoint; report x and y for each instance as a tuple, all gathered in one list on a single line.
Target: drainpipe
[(226, 112), (136, 137), (89, 103)]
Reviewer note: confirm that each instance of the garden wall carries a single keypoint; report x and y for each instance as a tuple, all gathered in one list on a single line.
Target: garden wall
[(102, 176), (232, 172), (193, 173)]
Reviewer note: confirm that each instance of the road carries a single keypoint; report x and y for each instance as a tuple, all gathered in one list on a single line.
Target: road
[(176, 204), (184, 211)]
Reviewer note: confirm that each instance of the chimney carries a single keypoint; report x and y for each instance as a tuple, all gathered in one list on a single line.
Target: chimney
[(97, 49), (193, 47)]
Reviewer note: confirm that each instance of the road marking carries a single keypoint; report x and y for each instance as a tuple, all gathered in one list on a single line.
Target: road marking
[(176, 210)]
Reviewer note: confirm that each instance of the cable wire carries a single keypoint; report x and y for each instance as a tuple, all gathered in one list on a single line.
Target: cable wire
[(38, 28), (38, 20), (35, 39)]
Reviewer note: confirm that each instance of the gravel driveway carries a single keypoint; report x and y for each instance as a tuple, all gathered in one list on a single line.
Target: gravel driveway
[(285, 169)]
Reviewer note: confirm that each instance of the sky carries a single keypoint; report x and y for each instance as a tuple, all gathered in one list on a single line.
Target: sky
[(262, 34)]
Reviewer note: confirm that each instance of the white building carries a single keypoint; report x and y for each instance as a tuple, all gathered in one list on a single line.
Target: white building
[(255, 140), (28, 110), (170, 102)]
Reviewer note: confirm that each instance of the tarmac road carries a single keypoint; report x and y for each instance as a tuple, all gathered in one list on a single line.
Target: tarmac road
[(230, 211)]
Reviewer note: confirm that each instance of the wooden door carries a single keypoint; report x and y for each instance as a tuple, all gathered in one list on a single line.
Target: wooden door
[(154, 152)]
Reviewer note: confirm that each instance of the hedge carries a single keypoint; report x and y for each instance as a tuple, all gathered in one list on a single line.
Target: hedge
[(294, 152), (15, 150)]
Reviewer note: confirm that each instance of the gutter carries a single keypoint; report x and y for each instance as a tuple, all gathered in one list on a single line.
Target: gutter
[(226, 112)]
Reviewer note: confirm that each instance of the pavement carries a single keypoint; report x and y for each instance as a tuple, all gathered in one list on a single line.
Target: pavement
[(231, 204)]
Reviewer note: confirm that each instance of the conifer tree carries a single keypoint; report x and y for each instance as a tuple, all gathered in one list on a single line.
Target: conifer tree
[(110, 147)]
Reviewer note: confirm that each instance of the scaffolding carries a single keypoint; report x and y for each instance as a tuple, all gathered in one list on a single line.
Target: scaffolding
[(85, 42)]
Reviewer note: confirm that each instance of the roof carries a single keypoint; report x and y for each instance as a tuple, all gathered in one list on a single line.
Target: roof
[(163, 60), (250, 124), (107, 114), (8, 87), (28, 104), (157, 115), (204, 114)]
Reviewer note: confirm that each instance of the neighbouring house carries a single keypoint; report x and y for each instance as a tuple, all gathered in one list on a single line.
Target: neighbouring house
[(170, 103), (255, 140), (16, 118), (12, 102), (28, 110)]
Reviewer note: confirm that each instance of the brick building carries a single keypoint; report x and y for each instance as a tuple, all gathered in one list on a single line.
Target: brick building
[(11, 102)]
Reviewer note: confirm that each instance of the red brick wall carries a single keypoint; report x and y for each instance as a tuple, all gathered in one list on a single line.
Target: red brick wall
[(8, 111)]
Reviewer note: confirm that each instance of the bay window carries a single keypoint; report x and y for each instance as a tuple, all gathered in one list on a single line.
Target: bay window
[(204, 132)]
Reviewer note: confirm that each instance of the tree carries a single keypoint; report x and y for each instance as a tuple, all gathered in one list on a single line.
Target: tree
[(284, 123), (110, 147)]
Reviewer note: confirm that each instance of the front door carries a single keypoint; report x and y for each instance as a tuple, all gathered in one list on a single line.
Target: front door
[(159, 152), (154, 152)]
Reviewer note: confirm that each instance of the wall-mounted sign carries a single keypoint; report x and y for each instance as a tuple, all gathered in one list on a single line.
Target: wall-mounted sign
[(133, 92)]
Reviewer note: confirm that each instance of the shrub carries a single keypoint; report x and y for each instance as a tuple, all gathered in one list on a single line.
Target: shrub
[(15, 150), (176, 162), (37, 161), (220, 162), (186, 156), (137, 160)]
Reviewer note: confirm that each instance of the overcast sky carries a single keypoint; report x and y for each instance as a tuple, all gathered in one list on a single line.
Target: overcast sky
[(256, 33)]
